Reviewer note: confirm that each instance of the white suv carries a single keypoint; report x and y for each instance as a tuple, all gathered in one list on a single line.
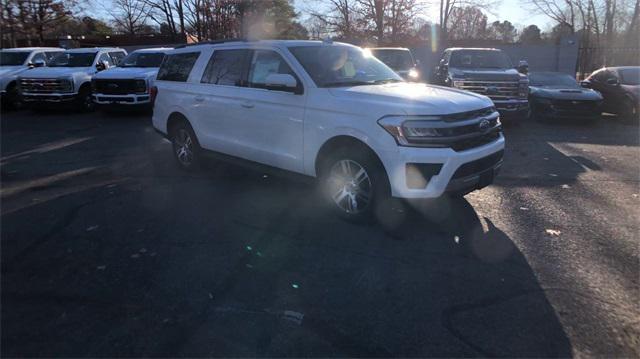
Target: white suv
[(129, 83), (331, 111), (68, 76), (18, 60)]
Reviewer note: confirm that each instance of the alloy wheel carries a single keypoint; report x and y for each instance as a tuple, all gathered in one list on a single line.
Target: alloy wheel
[(349, 186), (183, 147)]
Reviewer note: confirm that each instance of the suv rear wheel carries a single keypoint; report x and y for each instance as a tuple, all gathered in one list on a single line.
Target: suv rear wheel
[(186, 149), (353, 183)]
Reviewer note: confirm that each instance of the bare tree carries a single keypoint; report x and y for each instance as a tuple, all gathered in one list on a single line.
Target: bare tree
[(341, 17), (130, 16), (447, 7)]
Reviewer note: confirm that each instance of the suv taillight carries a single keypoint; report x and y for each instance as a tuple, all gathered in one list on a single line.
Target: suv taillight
[(153, 93)]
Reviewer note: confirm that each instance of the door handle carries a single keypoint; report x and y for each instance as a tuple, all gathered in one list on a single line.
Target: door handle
[(247, 104), (199, 98)]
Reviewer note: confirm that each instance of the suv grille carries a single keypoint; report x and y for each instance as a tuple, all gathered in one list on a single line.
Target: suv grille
[(114, 87), (43, 85), (495, 90)]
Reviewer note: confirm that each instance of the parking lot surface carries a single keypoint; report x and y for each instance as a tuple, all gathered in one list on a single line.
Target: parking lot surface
[(109, 250)]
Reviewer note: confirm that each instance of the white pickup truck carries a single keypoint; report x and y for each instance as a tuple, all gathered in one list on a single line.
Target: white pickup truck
[(67, 79), (15, 61), (129, 83)]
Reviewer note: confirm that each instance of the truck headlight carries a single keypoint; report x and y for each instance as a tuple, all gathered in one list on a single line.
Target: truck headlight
[(66, 84), (523, 89), (458, 84), (414, 74), (140, 86)]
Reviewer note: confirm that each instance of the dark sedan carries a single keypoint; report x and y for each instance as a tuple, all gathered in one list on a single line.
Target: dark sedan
[(620, 87), (559, 96)]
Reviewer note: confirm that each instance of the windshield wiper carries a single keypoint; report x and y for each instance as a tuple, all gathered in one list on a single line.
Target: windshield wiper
[(386, 81), (347, 83)]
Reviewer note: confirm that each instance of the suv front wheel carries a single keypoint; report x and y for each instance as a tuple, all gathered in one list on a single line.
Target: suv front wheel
[(186, 149), (353, 183)]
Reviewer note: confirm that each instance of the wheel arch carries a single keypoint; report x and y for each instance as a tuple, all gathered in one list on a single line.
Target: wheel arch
[(342, 141)]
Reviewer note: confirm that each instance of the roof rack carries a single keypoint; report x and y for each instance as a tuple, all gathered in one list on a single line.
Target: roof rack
[(211, 42)]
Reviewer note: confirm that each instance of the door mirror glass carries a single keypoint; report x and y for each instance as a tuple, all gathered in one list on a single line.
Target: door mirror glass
[(523, 67), (585, 84), (38, 63), (281, 80)]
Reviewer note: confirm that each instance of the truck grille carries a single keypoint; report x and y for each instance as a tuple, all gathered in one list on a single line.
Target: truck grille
[(43, 85), (114, 87), (495, 90)]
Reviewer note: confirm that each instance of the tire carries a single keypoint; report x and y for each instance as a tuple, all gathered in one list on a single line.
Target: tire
[(84, 102), (13, 100), (354, 184), (630, 111), (186, 149)]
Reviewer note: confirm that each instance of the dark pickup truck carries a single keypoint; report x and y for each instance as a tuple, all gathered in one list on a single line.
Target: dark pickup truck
[(487, 72)]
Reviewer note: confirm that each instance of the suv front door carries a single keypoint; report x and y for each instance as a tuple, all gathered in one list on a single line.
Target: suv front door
[(275, 115)]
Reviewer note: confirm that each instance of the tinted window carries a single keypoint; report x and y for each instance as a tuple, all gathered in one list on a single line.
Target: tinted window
[(226, 67), (265, 63), (339, 65), (630, 76), (13, 58), (398, 60), (548, 79), (106, 58), (38, 57), (480, 59), (51, 55), (73, 59), (142, 59), (177, 67), (117, 57)]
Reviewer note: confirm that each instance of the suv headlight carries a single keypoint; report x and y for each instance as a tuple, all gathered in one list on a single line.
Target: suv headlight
[(66, 84), (140, 86)]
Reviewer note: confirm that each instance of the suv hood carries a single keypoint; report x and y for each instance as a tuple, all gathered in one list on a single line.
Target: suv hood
[(413, 98), (11, 70), (485, 74), (127, 73), (54, 72)]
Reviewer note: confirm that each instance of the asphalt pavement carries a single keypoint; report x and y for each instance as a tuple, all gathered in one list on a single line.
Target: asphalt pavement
[(108, 249)]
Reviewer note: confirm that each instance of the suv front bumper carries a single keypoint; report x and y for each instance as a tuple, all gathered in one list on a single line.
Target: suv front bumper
[(129, 99), (455, 172)]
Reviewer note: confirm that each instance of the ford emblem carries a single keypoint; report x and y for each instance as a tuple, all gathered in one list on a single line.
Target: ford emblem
[(484, 125), (492, 90)]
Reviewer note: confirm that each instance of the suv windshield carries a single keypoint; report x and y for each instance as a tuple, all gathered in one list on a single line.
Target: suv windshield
[(339, 65), (541, 79), (630, 76), (10, 58), (398, 60), (73, 59), (488, 59), (143, 59)]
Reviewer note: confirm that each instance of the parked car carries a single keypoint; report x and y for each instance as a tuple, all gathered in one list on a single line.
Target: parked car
[(327, 110), (67, 79), (399, 60), (559, 96), (620, 87), (488, 72), (15, 61), (129, 83)]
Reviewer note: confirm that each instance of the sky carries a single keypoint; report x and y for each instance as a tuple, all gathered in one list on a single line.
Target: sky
[(512, 10)]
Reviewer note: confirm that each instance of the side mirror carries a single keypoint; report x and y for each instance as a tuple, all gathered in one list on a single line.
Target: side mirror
[(281, 80), (585, 84), (523, 67), (102, 65), (37, 63), (613, 81), (442, 66)]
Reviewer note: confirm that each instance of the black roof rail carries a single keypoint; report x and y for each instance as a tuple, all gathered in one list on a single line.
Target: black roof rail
[(211, 42)]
